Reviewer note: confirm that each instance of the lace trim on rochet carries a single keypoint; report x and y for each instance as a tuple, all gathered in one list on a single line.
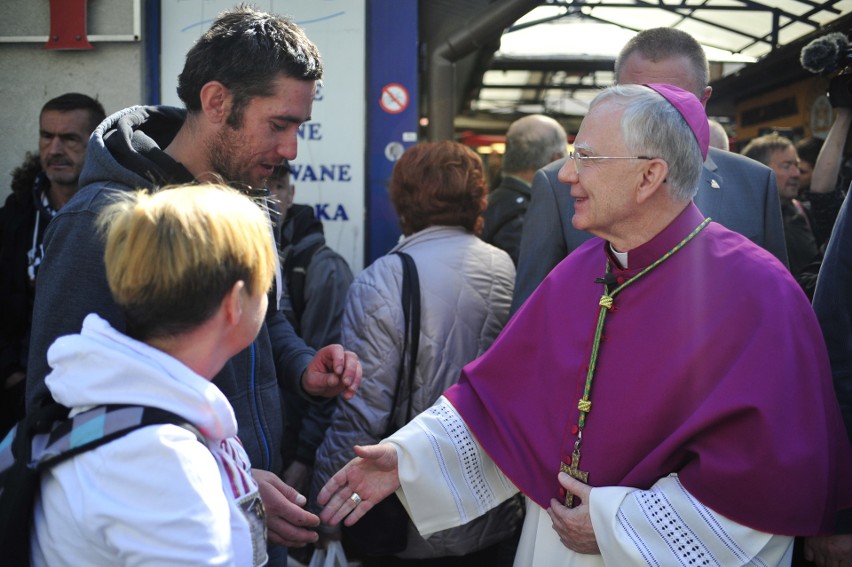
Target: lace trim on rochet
[(468, 454)]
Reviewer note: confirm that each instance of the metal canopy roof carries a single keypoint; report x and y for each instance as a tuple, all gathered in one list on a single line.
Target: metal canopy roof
[(554, 58)]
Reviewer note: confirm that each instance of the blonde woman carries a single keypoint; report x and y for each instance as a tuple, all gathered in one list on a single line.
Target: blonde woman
[(190, 268)]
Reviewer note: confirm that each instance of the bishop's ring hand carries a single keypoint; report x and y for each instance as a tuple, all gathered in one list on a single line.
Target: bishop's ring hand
[(355, 499)]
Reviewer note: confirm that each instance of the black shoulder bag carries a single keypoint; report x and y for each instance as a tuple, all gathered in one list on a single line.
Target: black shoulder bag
[(384, 529)]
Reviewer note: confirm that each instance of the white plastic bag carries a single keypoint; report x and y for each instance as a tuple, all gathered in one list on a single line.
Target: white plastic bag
[(332, 556)]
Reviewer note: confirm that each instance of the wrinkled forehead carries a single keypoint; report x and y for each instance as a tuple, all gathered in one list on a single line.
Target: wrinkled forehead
[(75, 120), (784, 155), (600, 130)]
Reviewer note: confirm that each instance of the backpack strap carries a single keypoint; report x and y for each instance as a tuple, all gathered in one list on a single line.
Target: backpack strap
[(295, 274), (17, 446), (97, 426), (47, 437)]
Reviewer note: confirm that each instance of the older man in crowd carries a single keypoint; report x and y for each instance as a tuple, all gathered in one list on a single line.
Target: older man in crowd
[(40, 187), (531, 143)]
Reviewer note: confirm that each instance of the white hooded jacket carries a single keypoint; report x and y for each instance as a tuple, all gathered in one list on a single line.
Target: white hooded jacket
[(155, 496)]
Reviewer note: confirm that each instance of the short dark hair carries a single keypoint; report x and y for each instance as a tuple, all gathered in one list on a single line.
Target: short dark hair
[(247, 50), (77, 101), (808, 149), (439, 183), (659, 44)]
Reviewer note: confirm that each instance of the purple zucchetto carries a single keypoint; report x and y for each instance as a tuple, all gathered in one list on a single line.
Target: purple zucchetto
[(692, 111)]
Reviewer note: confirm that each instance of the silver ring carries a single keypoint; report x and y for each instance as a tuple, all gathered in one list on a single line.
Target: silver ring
[(355, 498)]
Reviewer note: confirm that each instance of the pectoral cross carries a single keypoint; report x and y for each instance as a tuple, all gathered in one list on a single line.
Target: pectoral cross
[(573, 471)]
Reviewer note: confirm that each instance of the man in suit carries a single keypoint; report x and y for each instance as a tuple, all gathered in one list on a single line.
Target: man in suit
[(531, 143), (734, 191)]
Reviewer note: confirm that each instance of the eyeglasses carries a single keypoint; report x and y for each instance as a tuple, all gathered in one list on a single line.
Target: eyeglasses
[(578, 160)]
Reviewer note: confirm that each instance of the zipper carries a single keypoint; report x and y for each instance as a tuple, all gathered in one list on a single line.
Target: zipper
[(264, 441)]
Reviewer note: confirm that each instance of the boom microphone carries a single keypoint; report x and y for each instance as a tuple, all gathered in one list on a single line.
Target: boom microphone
[(826, 54)]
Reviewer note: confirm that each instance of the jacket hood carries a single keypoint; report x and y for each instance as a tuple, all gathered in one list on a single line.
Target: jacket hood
[(299, 222), (127, 148), (102, 366)]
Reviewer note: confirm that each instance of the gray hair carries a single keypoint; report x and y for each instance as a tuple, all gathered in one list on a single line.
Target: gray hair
[(651, 126), (533, 142), (762, 148)]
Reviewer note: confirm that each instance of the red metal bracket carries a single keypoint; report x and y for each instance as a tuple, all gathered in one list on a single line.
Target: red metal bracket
[(68, 25)]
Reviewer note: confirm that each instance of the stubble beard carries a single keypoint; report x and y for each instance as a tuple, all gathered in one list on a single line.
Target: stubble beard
[(71, 179), (221, 152)]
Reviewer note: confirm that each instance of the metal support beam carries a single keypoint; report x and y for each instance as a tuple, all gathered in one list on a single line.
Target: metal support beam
[(486, 27)]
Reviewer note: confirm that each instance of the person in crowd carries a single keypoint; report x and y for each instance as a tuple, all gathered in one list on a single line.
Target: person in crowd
[(439, 191), (316, 280), (833, 306), (247, 83), (718, 136), (653, 464), (189, 268), (40, 187), (531, 143), (807, 149), (832, 300), (826, 183), (736, 192), (779, 153), (317, 277)]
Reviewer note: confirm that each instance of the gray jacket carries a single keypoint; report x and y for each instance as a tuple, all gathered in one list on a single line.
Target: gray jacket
[(466, 289)]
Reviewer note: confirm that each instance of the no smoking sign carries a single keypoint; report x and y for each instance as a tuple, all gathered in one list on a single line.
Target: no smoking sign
[(394, 98)]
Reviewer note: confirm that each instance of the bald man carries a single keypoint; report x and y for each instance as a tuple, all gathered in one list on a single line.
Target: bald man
[(531, 143)]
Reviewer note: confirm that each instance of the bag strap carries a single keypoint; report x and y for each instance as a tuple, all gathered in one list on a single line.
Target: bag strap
[(98, 426), (295, 274), (17, 447), (47, 437), (411, 341)]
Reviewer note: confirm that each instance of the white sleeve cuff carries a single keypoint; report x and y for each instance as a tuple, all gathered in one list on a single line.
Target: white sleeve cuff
[(446, 478), (666, 525)]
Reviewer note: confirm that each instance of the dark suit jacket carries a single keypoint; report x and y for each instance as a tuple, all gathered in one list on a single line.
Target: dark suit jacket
[(504, 217), (833, 306), (735, 191)]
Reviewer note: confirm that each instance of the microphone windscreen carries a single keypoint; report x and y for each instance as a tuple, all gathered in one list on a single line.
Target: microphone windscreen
[(823, 53)]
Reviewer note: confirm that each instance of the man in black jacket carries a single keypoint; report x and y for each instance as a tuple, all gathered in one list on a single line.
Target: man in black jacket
[(40, 187), (531, 143)]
